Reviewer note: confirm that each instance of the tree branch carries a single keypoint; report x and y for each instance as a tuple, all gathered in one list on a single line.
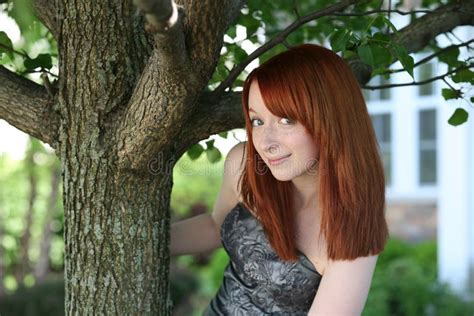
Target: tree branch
[(429, 57), (158, 105), (27, 106), (417, 34), (45, 10), (439, 21), (161, 15), (392, 11), (212, 116), (170, 55), (280, 38), (179, 68), (205, 25), (418, 83)]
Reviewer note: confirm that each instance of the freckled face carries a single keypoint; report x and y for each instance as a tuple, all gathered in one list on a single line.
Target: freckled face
[(276, 137)]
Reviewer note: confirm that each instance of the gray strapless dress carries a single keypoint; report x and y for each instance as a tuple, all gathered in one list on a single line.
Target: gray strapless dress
[(256, 281)]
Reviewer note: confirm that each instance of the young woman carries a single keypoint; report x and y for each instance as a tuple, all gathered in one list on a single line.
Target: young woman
[(301, 208)]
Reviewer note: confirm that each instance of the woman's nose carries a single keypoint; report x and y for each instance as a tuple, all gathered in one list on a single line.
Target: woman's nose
[(269, 141)]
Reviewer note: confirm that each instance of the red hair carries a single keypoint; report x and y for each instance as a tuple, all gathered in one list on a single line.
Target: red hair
[(314, 86)]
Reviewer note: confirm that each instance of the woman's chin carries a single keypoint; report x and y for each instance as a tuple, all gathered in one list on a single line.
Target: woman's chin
[(280, 176)]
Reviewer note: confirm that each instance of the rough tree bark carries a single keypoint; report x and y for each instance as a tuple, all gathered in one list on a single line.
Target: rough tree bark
[(128, 105)]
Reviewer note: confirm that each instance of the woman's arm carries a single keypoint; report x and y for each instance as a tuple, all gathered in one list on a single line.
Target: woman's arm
[(344, 287), (202, 233), (193, 235)]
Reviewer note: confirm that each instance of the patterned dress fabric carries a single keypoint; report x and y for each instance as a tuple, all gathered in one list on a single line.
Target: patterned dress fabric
[(256, 281)]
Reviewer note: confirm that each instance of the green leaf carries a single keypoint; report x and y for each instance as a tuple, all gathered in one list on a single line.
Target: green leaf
[(451, 94), (223, 134), (213, 154), (42, 60), (339, 40), (6, 45), (459, 117), (324, 26), (251, 25), (347, 54), (238, 83), (220, 73), (367, 28), (210, 143), (450, 56), (381, 55), (379, 21), (389, 24), (195, 151), (240, 54), (464, 75), (23, 14), (379, 71), (381, 38), (406, 60), (232, 31), (365, 53)]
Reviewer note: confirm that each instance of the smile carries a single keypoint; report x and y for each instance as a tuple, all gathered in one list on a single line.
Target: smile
[(278, 161)]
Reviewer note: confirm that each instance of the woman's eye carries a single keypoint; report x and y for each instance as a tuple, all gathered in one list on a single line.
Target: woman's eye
[(288, 121), (253, 120)]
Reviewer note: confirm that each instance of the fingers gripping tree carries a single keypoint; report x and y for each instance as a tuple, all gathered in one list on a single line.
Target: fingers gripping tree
[(136, 90)]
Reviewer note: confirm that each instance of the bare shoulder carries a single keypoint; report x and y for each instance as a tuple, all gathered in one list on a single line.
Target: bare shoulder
[(229, 193), (234, 166)]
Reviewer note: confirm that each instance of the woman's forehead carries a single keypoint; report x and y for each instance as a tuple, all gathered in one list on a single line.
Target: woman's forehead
[(255, 102)]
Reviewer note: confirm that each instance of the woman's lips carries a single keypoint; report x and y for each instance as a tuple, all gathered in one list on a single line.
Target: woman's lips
[(278, 161)]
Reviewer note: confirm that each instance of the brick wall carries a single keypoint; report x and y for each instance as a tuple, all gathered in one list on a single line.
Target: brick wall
[(412, 221)]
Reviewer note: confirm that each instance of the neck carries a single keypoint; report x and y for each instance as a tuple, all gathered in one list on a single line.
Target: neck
[(305, 188)]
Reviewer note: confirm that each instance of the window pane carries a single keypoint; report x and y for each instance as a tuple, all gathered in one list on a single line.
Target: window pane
[(428, 166), (386, 135), (377, 123), (425, 73), (382, 127), (427, 124), (387, 166), (427, 146), (384, 93), (366, 94)]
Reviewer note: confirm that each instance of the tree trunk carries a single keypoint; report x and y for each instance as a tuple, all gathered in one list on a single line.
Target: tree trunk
[(116, 219), (116, 238)]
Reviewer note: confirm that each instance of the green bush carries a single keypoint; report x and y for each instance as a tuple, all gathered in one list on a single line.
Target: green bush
[(195, 181), (43, 299), (404, 283)]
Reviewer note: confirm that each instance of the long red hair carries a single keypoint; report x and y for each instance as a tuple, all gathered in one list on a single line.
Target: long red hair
[(314, 86)]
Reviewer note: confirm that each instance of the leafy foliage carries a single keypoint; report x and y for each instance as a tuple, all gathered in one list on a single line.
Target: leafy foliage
[(13, 210), (405, 283), (36, 51)]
